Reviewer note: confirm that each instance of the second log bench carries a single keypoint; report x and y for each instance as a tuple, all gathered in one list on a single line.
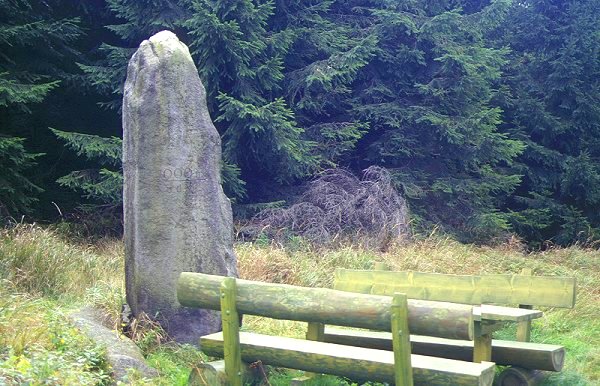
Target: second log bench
[(523, 290)]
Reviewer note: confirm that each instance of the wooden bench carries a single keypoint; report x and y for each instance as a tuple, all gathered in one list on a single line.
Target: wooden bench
[(319, 306), (523, 290)]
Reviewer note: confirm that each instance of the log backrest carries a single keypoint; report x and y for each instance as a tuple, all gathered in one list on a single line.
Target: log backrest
[(327, 306), (549, 291)]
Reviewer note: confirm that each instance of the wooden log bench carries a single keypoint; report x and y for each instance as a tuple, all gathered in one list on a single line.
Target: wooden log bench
[(523, 290), (318, 306)]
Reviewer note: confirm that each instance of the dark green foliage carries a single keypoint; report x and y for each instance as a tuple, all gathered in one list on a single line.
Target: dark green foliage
[(487, 113), (427, 95), (16, 191), (134, 21), (33, 38), (274, 132), (102, 185), (554, 106), (266, 139), (256, 59)]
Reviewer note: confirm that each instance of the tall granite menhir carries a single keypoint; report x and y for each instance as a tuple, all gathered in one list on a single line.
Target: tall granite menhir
[(177, 217)]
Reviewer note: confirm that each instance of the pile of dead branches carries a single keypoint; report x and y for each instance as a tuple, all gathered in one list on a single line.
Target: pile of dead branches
[(338, 206)]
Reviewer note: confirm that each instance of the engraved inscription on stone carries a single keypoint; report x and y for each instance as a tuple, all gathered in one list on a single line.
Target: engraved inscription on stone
[(174, 179)]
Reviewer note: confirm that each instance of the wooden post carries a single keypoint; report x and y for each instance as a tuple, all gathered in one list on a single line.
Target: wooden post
[(401, 341), (482, 349), (524, 327), (315, 331), (231, 332), (380, 266)]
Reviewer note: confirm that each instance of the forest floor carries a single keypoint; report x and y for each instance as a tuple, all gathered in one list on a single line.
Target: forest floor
[(44, 275)]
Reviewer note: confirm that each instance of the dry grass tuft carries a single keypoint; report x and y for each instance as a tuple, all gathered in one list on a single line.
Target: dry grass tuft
[(38, 261)]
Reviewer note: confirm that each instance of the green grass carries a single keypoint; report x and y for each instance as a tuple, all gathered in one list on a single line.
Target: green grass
[(44, 275), (39, 346)]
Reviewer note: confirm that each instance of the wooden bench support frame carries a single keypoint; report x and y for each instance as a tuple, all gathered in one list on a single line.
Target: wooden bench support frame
[(231, 332), (356, 363), (524, 327), (482, 350), (320, 306), (523, 289), (314, 332), (401, 341)]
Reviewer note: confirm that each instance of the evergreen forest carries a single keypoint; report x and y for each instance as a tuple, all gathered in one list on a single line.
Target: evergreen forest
[(486, 113)]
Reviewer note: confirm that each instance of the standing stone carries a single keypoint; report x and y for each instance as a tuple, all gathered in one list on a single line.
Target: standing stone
[(177, 217)]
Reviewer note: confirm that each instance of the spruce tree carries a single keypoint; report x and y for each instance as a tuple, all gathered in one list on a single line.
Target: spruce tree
[(276, 75), (242, 64), (427, 96), (34, 42), (552, 99)]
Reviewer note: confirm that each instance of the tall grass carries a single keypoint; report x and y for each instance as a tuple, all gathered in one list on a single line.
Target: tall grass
[(39, 346), (578, 329), (39, 261), (43, 275)]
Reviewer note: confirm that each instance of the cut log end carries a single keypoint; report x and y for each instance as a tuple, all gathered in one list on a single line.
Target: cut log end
[(213, 374), (558, 359), (516, 376), (208, 374)]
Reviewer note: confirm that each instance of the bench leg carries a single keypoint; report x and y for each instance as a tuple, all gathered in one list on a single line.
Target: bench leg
[(524, 331), (482, 350), (315, 331), (403, 373), (231, 332), (524, 328)]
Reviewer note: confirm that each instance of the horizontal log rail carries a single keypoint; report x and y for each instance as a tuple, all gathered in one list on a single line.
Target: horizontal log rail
[(321, 305), (506, 353)]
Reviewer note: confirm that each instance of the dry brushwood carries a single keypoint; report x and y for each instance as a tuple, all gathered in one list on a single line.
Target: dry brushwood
[(337, 206)]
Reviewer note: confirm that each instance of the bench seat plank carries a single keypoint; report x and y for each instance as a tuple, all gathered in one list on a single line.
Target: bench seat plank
[(523, 354), (356, 363), (510, 314)]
